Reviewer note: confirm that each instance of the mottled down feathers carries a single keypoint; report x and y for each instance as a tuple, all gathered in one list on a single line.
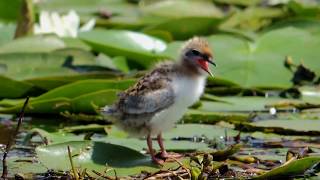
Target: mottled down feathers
[(162, 96)]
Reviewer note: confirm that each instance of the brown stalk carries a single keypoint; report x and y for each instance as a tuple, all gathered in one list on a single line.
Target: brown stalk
[(72, 166), (11, 140)]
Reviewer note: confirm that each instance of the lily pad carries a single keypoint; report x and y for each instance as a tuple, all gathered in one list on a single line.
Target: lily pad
[(244, 104), (34, 65), (251, 64), (78, 88), (252, 18), (86, 103), (31, 44), (283, 127), (14, 89), (10, 13), (298, 125), (239, 2), (79, 97), (7, 33), (183, 28), (291, 169), (204, 117), (182, 8), (139, 47), (94, 156), (48, 83)]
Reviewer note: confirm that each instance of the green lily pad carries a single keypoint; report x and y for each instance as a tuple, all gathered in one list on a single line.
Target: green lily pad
[(32, 44), (7, 33), (244, 104), (34, 65), (187, 27), (86, 152), (79, 97), (304, 9), (252, 18), (48, 83), (239, 2), (205, 117), (11, 12), (283, 127), (84, 7), (251, 64), (95, 156), (78, 88), (86, 103), (14, 89), (116, 63), (312, 25), (139, 47), (19, 165), (181, 8), (290, 169), (75, 43), (298, 125)]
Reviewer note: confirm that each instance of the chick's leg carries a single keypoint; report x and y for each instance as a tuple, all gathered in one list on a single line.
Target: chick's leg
[(164, 154), (153, 157)]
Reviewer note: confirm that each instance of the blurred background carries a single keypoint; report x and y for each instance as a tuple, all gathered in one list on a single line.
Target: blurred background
[(72, 57)]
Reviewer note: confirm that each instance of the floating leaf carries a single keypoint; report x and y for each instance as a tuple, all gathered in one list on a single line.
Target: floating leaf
[(252, 18), (14, 89), (48, 83), (32, 44), (95, 155), (79, 97), (298, 125), (305, 9), (312, 25), (183, 28), (11, 12), (34, 65), (196, 116), (252, 64), (139, 47), (7, 33), (290, 169), (181, 8), (244, 104), (88, 103), (284, 127), (239, 2), (78, 88)]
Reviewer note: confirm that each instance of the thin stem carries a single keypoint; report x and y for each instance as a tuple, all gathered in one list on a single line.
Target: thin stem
[(11, 140), (72, 166)]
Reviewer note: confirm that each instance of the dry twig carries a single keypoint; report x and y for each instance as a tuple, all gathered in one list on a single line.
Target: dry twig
[(11, 141)]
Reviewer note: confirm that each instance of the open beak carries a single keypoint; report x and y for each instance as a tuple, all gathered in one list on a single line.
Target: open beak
[(209, 72), (209, 60)]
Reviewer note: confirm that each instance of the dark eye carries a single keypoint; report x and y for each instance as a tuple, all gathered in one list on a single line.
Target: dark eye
[(195, 52)]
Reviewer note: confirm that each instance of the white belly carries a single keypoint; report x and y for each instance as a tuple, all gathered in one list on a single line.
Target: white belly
[(187, 92)]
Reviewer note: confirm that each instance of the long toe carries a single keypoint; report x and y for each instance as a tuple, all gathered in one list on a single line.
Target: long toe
[(158, 161), (170, 155)]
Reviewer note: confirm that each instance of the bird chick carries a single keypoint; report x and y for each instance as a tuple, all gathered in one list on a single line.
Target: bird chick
[(161, 97)]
